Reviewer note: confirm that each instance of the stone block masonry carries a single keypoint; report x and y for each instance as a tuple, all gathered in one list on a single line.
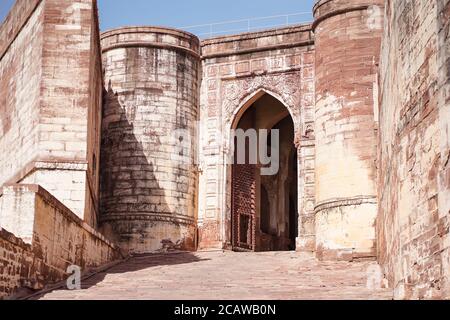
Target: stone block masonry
[(149, 183), (18, 266), (237, 70), (92, 131), (51, 88), (414, 148), (347, 55), (47, 238)]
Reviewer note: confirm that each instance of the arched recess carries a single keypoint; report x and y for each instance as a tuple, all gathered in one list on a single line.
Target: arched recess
[(247, 101), (243, 183)]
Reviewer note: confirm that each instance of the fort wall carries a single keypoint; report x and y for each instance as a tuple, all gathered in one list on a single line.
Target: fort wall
[(149, 138), (51, 80), (347, 53), (117, 152), (47, 238), (20, 81), (237, 70), (413, 157)]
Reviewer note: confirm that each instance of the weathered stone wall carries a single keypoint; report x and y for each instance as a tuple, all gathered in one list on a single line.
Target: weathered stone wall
[(149, 176), (414, 138), (48, 74), (237, 70), (20, 77), (94, 121), (348, 37), (56, 239), (18, 266)]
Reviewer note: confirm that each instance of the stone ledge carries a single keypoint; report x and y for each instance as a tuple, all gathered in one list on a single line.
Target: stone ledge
[(258, 49), (325, 9), (252, 42), (340, 202), (153, 37), (149, 217), (57, 238), (46, 164), (143, 44), (257, 34), (55, 203), (149, 29), (10, 237)]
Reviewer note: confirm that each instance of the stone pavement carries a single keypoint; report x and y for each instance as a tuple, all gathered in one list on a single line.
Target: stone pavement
[(228, 275)]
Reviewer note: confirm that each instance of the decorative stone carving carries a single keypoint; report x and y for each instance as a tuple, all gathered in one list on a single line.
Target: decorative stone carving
[(285, 86)]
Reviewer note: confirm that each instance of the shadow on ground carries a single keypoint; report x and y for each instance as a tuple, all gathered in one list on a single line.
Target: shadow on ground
[(135, 263)]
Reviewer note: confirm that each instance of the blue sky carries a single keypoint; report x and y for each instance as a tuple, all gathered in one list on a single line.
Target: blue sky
[(181, 13)]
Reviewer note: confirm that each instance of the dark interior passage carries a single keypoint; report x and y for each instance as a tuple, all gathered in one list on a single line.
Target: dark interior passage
[(264, 207)]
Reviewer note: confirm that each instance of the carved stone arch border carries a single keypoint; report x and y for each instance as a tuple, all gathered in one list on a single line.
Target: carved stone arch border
[(241, 93), (237, 96)]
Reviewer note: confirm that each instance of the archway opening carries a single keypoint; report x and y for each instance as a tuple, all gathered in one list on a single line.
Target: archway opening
[(264, 202)]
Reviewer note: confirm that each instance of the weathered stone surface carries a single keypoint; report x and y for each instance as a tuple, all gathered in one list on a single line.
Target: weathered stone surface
[(149, 141), (237, 71), (347, 54), (50, 111), (54, 238), (19, 266), (356, 197), (414, 180)]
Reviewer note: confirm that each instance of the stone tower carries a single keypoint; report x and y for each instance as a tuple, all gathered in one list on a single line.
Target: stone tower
[(148, 173), (348, 36)]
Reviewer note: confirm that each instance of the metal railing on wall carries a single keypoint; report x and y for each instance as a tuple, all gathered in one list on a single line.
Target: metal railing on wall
[(210, 30)]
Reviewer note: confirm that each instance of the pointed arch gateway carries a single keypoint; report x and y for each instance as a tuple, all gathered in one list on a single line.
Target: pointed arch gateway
[(264, 208)]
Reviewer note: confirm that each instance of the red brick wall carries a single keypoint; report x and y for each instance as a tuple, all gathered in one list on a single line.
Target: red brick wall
[(414, 174)]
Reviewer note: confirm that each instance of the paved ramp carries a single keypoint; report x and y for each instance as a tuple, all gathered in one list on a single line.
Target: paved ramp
[(228, 275)]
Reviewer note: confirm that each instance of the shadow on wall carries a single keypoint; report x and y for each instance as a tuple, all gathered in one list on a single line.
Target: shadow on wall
[(130, 191)]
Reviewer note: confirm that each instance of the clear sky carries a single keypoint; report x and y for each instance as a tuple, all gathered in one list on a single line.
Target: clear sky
[(181, 13)]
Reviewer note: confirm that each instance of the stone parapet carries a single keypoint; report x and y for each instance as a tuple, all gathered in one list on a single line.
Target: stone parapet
[(46, 238)]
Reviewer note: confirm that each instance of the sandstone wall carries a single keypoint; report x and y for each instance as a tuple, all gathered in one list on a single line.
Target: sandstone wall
[(17, 263), (56, 239), (20, 78), (51, 91), (149, 140), (238, 70), (348, 36), (414, 138)]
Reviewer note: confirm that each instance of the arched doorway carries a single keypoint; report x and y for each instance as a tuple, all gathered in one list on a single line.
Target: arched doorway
[(264, 208)]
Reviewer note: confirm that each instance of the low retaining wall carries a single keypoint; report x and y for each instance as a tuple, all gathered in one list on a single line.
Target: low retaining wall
[(47, 238)]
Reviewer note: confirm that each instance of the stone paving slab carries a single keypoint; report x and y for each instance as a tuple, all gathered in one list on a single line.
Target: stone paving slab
[(227, 276)]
